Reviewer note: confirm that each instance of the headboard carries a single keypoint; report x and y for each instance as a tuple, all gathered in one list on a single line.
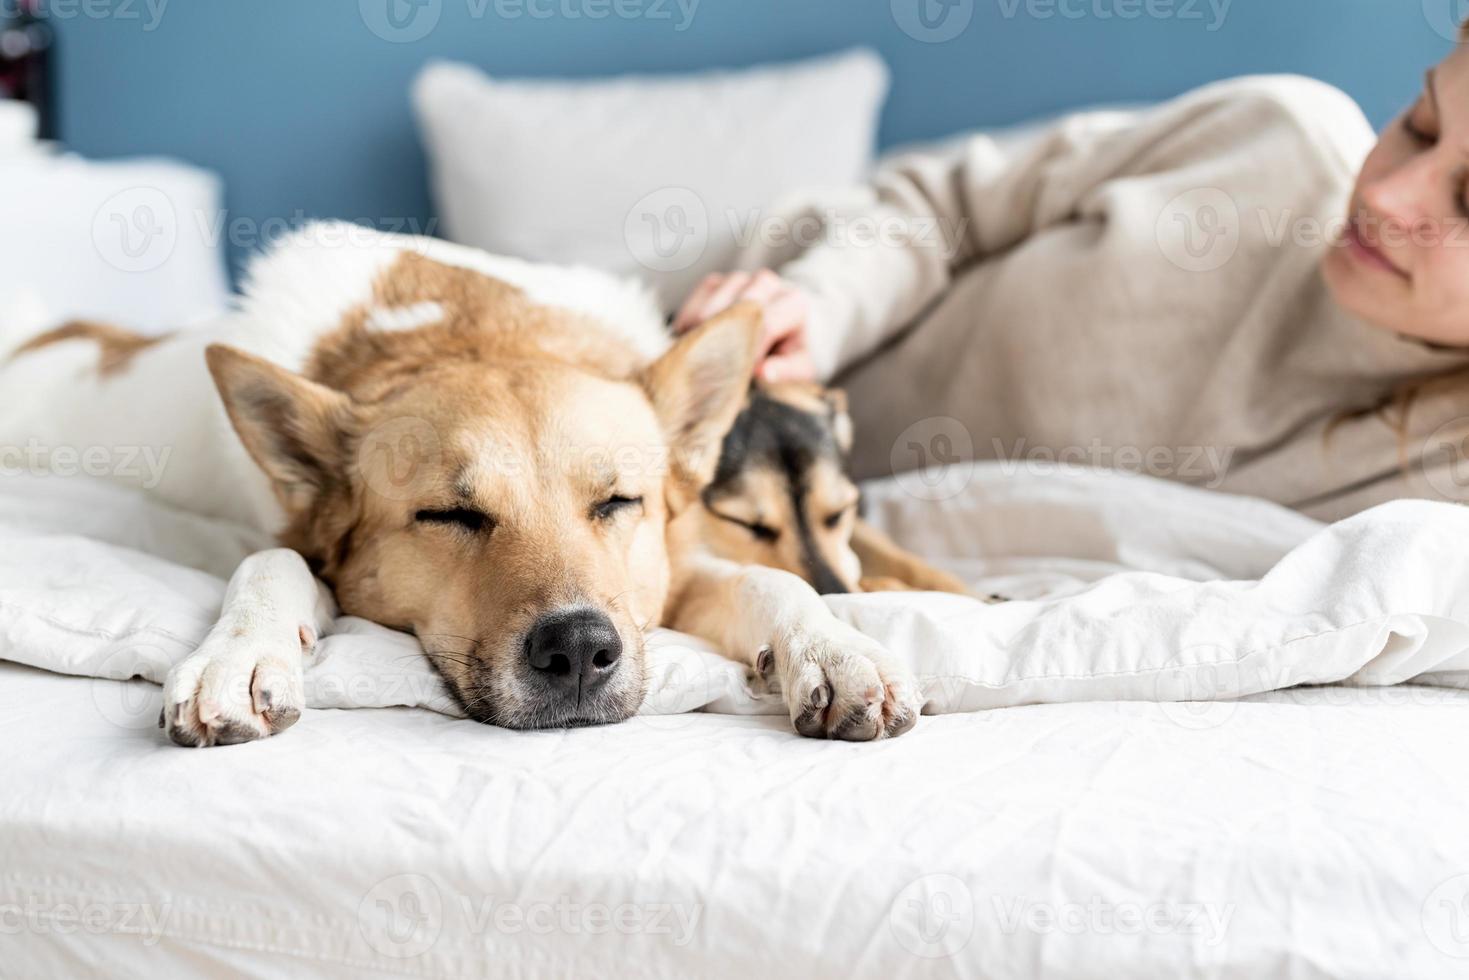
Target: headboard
[(303, 106)]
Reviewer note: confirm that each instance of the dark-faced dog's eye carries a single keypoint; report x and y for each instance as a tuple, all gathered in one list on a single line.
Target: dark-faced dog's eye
[(835, 519), (463, 517), (614, 505), (763, 532)]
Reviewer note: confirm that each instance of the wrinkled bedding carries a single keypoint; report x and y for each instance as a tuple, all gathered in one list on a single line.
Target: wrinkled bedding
[(1048, 818), (1205, 597)]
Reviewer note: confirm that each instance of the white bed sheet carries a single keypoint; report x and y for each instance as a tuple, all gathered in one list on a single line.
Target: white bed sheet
[(1310, 832), (1306, 834)]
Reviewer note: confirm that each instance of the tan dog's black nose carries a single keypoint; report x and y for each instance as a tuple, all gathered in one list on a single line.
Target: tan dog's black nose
[(578, 648)]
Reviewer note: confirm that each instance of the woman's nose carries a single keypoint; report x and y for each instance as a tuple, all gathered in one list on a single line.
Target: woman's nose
[(1404, 196)]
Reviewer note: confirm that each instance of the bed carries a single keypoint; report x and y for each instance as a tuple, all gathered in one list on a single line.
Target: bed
[(1207, 738), (1313, 831)]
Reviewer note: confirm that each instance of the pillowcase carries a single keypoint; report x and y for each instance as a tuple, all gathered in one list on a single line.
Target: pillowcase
[(664, 178), (137, 243), (17, 127)]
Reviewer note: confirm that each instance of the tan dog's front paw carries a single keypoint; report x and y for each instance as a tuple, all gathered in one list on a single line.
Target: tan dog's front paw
[(232, 690), (841, 685)]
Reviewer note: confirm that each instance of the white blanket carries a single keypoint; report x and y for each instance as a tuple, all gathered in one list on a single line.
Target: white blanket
[(1209, 597), (1315, 832)]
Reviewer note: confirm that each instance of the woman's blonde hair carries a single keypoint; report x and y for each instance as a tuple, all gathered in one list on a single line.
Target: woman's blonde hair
[(1396, 408)]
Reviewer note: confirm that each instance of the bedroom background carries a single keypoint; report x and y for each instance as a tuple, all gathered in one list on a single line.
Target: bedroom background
[(303, 110)]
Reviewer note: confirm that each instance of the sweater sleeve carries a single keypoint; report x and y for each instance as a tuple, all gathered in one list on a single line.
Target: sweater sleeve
[(873, 261)]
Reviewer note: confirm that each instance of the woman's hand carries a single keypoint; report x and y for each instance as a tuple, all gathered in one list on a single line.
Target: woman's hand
[(783, 354)]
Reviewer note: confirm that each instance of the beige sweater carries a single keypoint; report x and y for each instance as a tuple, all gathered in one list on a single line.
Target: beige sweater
[(1137, 290)]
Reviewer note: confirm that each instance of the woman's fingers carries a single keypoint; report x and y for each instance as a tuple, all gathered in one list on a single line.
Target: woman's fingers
[(724, 297), (789, 360), (783, 352), (796, 366), (763, 287), (785, 314), (691, 314), (718, 292)]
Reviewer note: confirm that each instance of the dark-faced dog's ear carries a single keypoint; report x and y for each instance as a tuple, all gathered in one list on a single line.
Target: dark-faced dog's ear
[(841, 422), (293, 428), (697, 389)]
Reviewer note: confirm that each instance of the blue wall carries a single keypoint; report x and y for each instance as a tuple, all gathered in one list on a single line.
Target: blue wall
[(304, 108)]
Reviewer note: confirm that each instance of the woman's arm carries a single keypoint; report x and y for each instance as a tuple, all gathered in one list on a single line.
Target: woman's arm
[(868, 265)]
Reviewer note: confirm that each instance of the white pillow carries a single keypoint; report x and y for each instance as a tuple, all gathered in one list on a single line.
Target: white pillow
[(658, 177), (17, 127), (137, 243)]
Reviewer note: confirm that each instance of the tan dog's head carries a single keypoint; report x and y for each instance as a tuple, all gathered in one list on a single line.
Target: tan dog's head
[(509, 512), (781, 496)]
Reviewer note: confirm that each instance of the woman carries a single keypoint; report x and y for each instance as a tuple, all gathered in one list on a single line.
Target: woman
[(1234, 289)]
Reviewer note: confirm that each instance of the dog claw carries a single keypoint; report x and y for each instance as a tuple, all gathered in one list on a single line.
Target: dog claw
[(765, 662)]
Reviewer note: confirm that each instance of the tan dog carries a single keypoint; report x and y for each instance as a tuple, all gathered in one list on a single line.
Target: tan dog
[(491, 455)]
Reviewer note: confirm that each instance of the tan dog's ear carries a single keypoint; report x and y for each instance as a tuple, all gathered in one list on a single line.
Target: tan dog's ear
[(293, 428), (697, 388)]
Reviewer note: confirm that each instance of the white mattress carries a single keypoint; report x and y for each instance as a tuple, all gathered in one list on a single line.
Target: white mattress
[(1303, 833)]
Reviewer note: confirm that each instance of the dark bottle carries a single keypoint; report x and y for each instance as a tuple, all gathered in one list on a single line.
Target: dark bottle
[(27, 63)]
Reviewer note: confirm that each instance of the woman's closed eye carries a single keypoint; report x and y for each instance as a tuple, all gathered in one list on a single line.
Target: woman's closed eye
[(460, 517), (1420, 124)]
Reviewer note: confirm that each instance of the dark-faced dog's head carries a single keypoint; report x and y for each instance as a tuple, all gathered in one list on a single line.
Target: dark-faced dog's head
[(781, 496)]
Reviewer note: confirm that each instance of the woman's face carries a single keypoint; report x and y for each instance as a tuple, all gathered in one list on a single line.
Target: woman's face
[(1403, 262)]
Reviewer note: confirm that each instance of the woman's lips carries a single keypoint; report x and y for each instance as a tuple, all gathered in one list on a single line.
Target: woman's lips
[(1367, 253)]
